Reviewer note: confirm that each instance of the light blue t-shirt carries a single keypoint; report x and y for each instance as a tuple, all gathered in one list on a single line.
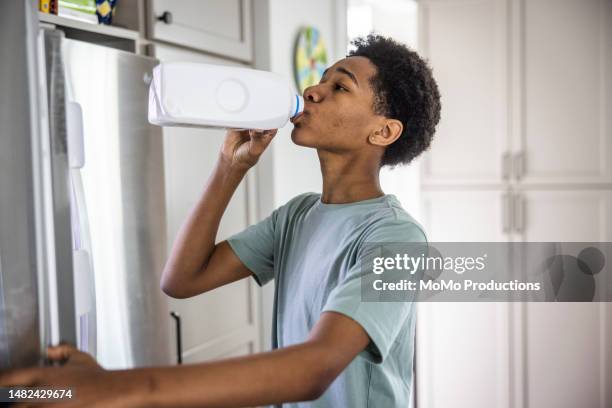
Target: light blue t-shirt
[(311, 250)]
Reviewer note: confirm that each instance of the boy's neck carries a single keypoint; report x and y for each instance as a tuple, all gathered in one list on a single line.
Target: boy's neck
[(346, 181)]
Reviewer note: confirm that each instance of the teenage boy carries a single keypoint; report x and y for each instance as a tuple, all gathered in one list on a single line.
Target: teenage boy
[(377, 107)]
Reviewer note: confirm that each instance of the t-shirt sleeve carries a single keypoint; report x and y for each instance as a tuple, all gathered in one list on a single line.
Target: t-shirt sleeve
[(381, 320), (255, 248)]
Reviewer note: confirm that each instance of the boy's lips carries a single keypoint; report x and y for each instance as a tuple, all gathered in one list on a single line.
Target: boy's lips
[(297, 117), (308, 111)]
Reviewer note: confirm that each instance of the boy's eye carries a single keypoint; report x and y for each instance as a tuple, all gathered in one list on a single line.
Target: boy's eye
[(339, 87)]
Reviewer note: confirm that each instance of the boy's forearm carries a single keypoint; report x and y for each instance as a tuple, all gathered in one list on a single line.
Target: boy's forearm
[(284, 375), (196, 238)]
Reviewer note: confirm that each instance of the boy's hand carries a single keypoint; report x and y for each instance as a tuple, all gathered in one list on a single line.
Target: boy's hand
[(242, 148), (69, 355), (92, 386)]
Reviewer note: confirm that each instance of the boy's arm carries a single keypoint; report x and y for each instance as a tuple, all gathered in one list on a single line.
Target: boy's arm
[(295, 373), (195, 264)]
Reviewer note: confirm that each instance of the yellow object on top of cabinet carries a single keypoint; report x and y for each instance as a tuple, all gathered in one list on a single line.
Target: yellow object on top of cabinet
[(48, 6)]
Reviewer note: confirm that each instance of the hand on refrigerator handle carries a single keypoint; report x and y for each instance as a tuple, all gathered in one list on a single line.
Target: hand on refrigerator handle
[(91, 385), (65, 354)]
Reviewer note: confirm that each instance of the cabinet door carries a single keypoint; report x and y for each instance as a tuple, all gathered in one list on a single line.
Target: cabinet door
[(224, 321), (567, 355), (563, 215), (466, 215), (466, 45), (564, 74), (462, 348), (218, 26), (566, 346), (462, 355)]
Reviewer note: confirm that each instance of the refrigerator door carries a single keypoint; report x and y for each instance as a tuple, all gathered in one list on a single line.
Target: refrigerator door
[(121, 185), (19, 307), (29, 256)]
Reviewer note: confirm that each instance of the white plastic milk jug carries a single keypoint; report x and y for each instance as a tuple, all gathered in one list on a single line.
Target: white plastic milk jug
[(205, 95)]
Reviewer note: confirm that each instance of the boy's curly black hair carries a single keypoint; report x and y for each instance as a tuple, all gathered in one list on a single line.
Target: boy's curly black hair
[(404, 89)]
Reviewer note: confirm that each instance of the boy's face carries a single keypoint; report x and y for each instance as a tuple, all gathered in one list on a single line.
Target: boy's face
[(338, 112)]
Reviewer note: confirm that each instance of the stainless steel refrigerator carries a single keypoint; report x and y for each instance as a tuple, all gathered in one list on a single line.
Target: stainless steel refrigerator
[(82, 212)]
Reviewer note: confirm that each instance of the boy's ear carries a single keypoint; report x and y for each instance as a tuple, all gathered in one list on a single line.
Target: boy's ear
[(390, 131), (387, 132)]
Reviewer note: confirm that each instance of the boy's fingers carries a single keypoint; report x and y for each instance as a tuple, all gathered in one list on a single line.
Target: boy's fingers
[(60, 353), (67, 354), (255, 134), (262, 135), (262, 132), (260, 142), (271, 136)]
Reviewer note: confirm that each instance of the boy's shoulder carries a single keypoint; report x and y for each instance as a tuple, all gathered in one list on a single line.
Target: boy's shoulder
[(392, 222), (305, 197), (300, 201)]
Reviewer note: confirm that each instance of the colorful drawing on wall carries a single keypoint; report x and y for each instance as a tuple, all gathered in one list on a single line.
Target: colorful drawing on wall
[(310, 58)]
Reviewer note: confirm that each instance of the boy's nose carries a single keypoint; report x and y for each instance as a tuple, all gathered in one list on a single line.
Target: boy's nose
[(312, 95)]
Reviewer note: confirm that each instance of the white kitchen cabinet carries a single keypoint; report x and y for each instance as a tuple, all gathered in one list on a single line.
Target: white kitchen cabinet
[(222, 27), (562, 88), (562, 215), (515, 354), (525, 215), (225, 321), (463, 355), (466, 44), (551, 62), (466, 215), (567, 355), (463, 348), (525, 85), (566, 347)]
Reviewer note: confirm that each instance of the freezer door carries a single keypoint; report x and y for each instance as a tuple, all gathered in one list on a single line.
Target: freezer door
[(19, 312), (122, 182), (28, 300)]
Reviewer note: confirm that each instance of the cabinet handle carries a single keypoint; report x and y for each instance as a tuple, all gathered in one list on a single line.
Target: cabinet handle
[(519, 213), (519, 165), (166, 17), (179, 341), (506, 166), (506, 212)]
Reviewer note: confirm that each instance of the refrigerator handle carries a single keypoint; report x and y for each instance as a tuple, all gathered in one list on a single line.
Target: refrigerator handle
[(83, 278), (74, 127), (179, 342), (61, 282)]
